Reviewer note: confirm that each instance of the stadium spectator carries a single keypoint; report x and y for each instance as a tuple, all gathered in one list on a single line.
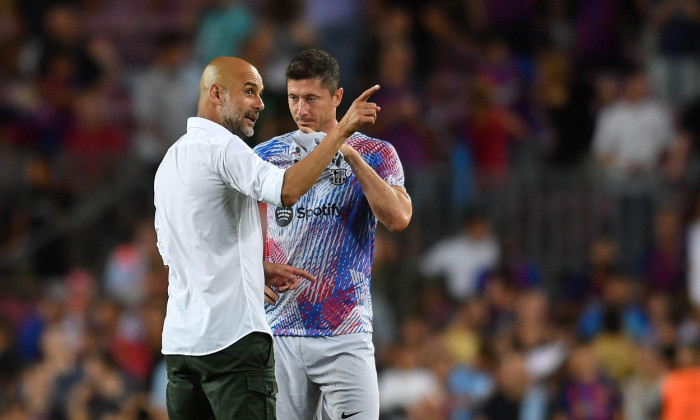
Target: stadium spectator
[(585, 392), (515, 396), (461, 259), (674, 59), (163, 97), (618, 304), (642, 391), (630, 139), (679, 387), (662, 264)]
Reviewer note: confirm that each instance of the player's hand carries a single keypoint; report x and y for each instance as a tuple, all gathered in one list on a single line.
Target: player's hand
[(284, 277), (271, 297), (360, 112)]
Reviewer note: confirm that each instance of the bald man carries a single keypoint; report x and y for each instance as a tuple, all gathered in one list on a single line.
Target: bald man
[(216, 341)]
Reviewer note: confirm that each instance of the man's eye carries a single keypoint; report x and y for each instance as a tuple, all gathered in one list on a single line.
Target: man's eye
[(249, 92)]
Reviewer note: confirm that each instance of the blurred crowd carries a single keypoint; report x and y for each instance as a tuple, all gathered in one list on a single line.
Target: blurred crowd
[(551, 150)]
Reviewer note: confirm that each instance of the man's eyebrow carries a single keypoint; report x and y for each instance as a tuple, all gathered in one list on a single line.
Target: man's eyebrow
[(255, 85)]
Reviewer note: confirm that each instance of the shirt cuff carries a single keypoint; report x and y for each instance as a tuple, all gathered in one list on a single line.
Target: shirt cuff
[(272, 187)]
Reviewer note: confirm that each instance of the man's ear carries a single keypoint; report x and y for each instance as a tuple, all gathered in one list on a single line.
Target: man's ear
[(337, 97), (216, 93)]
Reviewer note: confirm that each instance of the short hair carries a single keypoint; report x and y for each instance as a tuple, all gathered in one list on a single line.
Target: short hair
[(315, 64)]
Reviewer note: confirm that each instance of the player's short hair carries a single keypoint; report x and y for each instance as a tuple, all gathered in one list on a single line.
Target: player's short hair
[(315, 64)]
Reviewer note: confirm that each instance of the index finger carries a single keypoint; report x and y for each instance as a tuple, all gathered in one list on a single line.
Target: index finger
[(301, 273), (366, 94)]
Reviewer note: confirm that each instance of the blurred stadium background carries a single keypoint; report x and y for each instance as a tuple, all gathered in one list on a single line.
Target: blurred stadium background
[(551, 148)]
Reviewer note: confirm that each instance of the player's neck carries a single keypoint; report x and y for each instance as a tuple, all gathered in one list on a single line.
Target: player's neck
[(329, 126)]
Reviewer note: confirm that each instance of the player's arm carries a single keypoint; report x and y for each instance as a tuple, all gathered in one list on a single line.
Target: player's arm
[(391, 204), (302, 175)]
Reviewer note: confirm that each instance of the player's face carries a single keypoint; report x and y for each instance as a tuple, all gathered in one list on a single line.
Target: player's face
[(241, 105), (312, 106)]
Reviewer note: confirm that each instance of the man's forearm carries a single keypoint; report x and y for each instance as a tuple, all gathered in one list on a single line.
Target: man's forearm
[(391, 205), (302, 175)]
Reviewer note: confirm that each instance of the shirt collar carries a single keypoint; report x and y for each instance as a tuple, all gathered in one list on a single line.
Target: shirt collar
[(199, 122), (308, 141), (303, 143)]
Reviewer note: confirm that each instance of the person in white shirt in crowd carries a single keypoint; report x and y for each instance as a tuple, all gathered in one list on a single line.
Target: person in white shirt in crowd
[(463, 258), (216, 340), (630, 140)]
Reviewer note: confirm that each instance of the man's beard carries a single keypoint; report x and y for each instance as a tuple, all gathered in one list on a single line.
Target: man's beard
[(232, 119)]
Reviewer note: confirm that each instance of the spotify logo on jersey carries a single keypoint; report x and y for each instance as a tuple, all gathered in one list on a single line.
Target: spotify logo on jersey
[(324, 210), (283, 215)]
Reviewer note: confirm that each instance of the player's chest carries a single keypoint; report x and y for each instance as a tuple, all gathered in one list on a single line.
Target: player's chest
[(335, 198), (326, 202)]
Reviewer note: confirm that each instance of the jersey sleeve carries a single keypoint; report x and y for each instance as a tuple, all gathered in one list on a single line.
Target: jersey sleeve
[(389, 167), (246, 172), (263, 150)]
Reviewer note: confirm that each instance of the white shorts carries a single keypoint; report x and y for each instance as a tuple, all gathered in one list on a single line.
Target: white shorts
[(326, 377)]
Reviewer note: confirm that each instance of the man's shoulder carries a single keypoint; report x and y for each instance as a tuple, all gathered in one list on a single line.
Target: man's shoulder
[(209, 141), (361, 138), (364, 143), (275, 144)]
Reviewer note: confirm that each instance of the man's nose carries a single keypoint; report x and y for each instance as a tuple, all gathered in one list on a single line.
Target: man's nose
[(302, 107)]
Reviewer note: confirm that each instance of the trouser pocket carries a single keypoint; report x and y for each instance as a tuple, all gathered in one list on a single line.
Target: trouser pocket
[(263, 390)]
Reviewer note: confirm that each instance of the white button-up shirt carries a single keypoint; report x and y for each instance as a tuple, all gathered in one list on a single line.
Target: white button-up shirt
[(206, 194)]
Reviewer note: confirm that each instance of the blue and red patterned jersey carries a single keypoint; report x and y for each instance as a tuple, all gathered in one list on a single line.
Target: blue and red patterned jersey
[(330, 233)]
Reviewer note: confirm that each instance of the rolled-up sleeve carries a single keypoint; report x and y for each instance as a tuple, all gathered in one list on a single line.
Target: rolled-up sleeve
[(246, 172)]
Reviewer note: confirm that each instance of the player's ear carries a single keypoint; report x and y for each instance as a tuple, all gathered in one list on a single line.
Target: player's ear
[(216, 94), (337, 97)]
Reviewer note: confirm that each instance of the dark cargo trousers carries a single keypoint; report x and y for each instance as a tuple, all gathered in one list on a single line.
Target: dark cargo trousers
[(237, 382)]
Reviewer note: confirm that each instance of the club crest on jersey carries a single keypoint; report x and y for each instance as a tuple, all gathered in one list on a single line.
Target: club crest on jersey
[(283, 215), (296, 154), (338, 176)]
